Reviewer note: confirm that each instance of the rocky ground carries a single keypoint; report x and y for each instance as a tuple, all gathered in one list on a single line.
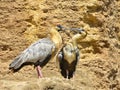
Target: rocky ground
[(24, 21)]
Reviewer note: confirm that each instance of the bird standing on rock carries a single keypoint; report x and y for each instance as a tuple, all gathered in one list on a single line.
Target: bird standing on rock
[(39, 52), (69, 56)]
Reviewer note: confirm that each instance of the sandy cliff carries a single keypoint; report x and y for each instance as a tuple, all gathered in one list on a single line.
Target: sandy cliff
[(24, 21)]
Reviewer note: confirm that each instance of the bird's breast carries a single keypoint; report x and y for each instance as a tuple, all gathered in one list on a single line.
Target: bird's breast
[(70, 57)]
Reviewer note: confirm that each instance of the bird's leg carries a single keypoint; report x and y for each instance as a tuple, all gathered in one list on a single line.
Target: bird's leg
[(74, 76), (38, 68), (67, 73)]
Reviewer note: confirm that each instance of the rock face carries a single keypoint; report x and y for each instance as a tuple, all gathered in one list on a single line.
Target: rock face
[(24, 21)]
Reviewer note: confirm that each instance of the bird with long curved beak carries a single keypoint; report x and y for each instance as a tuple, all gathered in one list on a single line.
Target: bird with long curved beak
[(39, 52), (69, 56)]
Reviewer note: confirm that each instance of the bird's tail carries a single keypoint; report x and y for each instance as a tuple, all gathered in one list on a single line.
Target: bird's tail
[(16, 64)]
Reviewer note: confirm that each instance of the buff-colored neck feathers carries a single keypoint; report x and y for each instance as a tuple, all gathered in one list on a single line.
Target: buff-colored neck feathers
[(56, 37)]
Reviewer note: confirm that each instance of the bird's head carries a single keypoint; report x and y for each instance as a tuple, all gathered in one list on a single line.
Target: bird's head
[(79, 34), (81, 31), (56, 28)]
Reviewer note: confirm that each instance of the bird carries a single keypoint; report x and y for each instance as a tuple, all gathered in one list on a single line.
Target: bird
[(39, 52), (68, 56)]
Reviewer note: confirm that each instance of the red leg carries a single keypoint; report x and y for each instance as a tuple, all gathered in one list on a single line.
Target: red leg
[(38, 68)]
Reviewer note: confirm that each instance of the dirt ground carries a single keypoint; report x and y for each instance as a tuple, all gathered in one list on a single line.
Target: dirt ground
[(24, 21)]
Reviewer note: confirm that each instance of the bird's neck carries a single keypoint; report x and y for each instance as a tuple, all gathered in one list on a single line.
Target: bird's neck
[(73, 40), (56, 37), (77, 38)]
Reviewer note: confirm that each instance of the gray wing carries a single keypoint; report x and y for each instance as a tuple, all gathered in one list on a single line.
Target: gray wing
[(59, 59), (77, 54), (38, 51)]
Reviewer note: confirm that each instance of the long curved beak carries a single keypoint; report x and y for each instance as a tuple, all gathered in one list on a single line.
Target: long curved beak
[(77, 30)]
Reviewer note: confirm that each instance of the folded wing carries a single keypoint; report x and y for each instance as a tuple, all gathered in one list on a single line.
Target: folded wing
[(37, 52)]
